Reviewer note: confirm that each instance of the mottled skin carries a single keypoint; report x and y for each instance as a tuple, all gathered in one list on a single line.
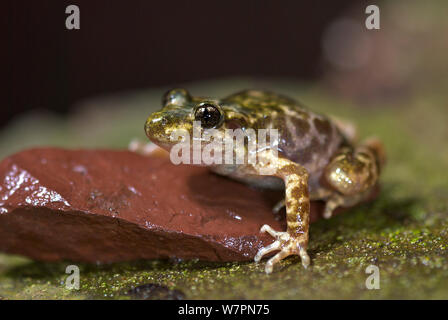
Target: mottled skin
[(316, 156)]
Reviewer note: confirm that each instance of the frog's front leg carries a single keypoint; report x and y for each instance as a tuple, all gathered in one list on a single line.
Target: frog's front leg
[(295, 239)]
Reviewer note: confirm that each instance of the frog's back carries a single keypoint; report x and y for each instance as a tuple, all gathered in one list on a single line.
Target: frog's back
[(305, 137)]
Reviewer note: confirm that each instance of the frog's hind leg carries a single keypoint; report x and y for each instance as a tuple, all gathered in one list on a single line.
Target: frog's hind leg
[(295, 239), (352, 173), (336, 200)]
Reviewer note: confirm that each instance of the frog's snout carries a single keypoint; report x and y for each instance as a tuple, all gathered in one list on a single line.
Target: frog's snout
[(158, 128), (155, 127)]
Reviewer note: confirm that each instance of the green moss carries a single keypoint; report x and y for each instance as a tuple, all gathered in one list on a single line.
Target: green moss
[(404, 232)]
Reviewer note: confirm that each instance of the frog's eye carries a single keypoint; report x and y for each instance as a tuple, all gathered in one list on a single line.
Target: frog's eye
[(176, 96), (209, 115)]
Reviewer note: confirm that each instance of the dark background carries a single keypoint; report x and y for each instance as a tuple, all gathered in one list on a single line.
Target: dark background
[(133, 44)]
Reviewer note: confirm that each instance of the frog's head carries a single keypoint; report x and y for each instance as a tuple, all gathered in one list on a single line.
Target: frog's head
[(180, 110)]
